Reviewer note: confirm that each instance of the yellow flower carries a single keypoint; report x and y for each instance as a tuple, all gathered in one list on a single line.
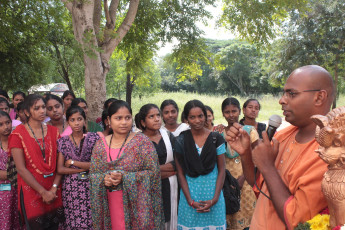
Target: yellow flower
[(319, 222)]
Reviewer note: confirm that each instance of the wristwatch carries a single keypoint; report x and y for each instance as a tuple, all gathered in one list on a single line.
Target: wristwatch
[(55, 185), (72, 162)]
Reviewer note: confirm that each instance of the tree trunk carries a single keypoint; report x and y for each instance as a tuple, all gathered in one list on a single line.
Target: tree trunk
[(95, 68), (129, 89), (86, 18)]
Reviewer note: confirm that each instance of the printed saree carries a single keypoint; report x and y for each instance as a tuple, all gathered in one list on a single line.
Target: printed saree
[(141, 185)]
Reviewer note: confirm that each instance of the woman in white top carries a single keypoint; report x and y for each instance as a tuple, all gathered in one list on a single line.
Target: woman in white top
[(170, 111)]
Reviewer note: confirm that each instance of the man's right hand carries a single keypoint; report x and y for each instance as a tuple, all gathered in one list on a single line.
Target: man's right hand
[(238, 139)]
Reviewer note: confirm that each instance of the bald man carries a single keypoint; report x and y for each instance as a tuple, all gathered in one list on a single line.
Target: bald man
[(290, 172)]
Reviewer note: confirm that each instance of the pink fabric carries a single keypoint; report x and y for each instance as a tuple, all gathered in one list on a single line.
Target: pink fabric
[(67, 131), (13, 114), (115, 198), (15, 123), (285, 214)]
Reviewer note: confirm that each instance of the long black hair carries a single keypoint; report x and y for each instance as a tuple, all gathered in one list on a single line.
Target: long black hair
[(67, 93), (53, 97), (30, 101), (108, 102), (141, 115), (4, 94), (116, 105), (169, 102), (230, 101), (73, 110), (4, 114), (76, 101), (194, 104), (246, 104), (18, 93), (3, 100)]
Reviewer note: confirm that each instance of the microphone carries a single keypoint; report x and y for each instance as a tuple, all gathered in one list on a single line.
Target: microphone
[(273, 124)]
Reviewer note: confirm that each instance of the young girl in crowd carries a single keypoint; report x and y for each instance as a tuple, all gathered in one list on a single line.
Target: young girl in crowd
[(210, 117), (105, 123), (20, 113), (34, 150), (91, 126), (201, 172), (5, 107), (54, 106), (67, 99), (241, 220), (16, 98), (9, 219), (74, 163), (251, 110), (106, 105), (125, 178), (170, 110), (149, 121)]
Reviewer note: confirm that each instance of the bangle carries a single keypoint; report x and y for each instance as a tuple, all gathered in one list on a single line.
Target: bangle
[(191, 204), (55, 185), (72, 162)]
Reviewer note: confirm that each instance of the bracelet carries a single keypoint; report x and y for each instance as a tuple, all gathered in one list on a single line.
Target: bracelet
[(55, 185), (191, 204)]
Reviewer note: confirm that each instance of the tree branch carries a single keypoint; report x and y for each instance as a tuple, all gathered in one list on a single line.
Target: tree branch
[(106, 12), (110, 42), (112, 12), (97, 15)]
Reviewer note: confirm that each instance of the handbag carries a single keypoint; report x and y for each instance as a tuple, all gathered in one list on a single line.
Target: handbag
[(232, 193), (11, 171)]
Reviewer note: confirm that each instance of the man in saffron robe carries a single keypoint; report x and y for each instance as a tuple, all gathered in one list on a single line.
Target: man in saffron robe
[(290, 172)]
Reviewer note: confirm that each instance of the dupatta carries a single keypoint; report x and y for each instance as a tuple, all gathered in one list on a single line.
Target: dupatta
[(172, 180), (141, 185)]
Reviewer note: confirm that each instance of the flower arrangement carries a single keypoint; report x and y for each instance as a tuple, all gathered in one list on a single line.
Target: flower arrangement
[(318, 222)]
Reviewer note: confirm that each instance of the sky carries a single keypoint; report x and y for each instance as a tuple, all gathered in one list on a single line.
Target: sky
[(211, 31)]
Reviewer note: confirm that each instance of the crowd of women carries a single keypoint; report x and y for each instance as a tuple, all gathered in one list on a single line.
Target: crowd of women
[(59, 170)]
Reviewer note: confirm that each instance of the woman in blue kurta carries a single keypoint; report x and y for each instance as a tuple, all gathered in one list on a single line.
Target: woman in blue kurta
[(201, 172)]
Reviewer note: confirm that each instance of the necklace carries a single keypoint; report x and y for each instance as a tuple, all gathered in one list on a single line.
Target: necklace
[(41, 147), (75, 143), (63, 125), (111, 138)]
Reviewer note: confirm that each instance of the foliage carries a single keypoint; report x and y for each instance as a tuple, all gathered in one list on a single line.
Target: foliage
[(22, 36), (234, 67), (317, 37), (33, 32), (258, 21)]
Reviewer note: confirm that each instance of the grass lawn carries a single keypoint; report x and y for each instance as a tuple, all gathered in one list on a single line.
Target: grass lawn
[(269, 104)]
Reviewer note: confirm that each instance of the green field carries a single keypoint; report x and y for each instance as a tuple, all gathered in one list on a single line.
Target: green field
[(269, 104)]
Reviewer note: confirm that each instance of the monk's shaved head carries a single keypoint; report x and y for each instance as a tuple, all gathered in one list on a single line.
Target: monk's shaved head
[(316, 77)]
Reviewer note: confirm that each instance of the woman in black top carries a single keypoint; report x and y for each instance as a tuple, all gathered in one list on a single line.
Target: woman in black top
[(149, 120)]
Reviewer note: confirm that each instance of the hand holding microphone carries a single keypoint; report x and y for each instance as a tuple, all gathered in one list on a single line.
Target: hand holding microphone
[(264, 154), (273, 124)]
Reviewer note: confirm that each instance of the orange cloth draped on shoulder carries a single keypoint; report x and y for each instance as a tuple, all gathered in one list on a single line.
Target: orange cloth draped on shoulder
[(302, 170)]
